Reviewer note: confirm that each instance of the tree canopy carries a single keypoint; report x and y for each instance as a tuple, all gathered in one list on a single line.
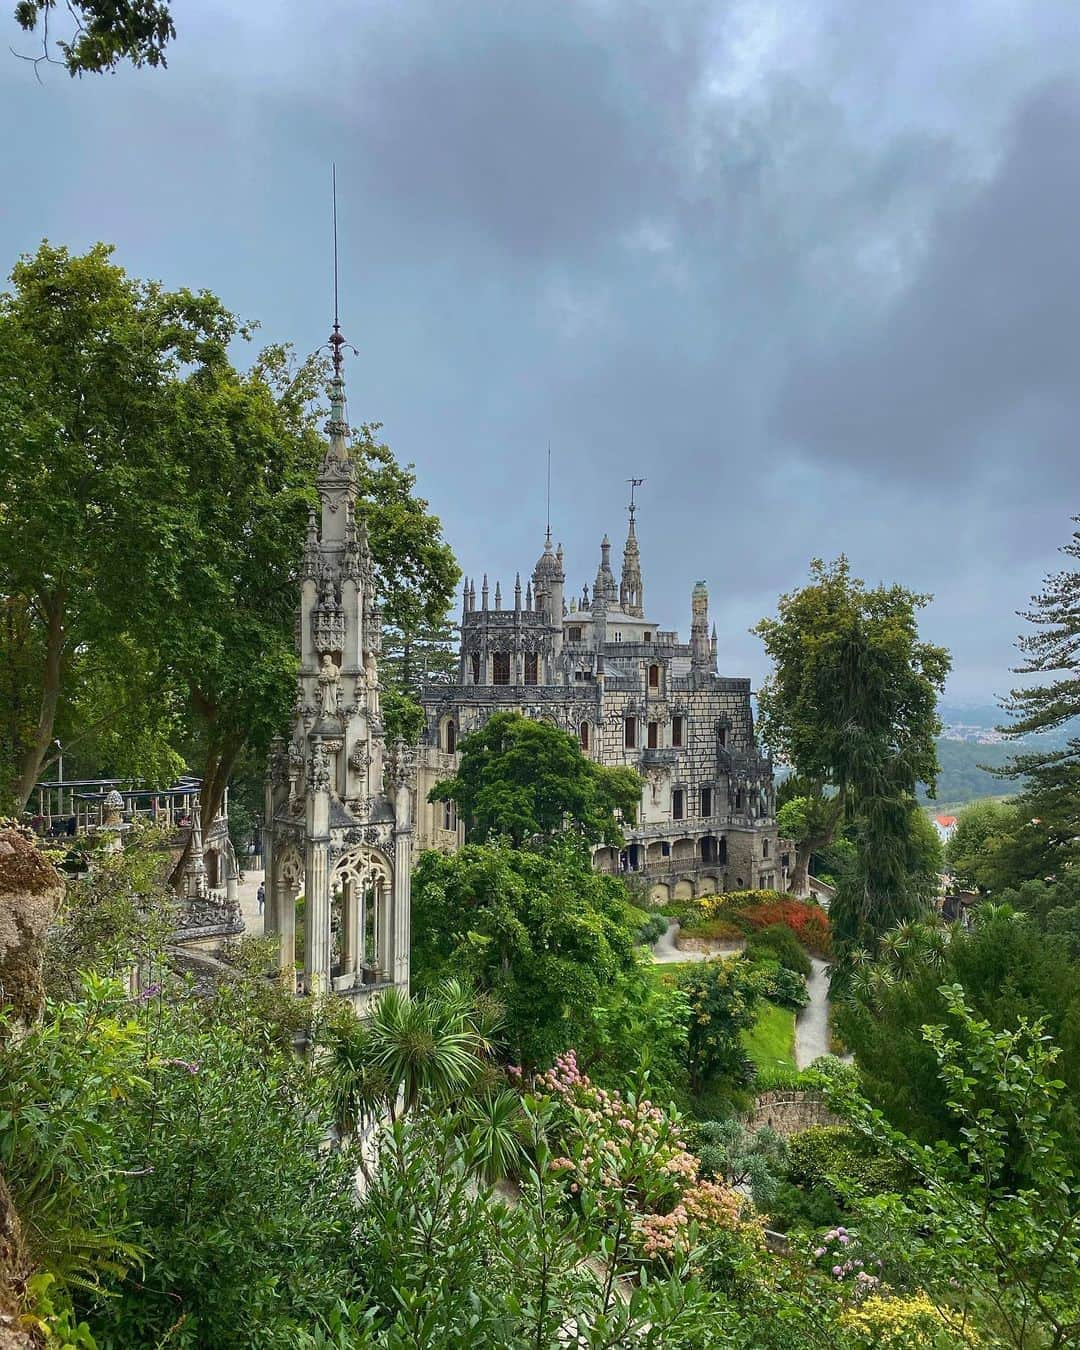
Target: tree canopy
[(851, 704), (542, 932), (1052, 649), (104, 32), (152, 508), (525, 780)]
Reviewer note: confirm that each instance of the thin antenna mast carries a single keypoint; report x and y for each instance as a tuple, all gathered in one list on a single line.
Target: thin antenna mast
[(634, 483), (549, 493), (337, 325)]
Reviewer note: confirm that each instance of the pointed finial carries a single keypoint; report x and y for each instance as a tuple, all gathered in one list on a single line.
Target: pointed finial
[(337, 428), (547, 544), (484, 593), (528, 596), (498, 595)]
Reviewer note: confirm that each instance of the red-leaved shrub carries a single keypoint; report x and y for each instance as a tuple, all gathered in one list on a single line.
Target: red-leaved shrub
[(809, 923)]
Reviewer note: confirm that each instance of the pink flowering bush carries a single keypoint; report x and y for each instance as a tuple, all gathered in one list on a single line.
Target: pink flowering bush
[(624, 1161), (840, 1255)]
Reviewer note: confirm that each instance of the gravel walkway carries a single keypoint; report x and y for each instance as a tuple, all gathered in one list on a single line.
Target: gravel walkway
[(812, 1023)]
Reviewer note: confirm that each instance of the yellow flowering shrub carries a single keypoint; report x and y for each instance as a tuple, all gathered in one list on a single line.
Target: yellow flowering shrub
[(893, 1323)]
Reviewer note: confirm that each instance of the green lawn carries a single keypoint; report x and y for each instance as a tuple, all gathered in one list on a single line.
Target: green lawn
[(770, 1042), (667, 974)]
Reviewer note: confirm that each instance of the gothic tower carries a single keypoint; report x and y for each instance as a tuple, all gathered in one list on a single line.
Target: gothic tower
[(338, 802), (631, 593)]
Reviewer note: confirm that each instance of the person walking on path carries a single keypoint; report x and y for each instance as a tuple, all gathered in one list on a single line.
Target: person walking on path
[(260, 895)]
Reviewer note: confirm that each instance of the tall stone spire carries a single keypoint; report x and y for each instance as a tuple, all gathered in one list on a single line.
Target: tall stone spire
[(631, 595), (336, 480), (604, 587), (700, 646), (338, 807)]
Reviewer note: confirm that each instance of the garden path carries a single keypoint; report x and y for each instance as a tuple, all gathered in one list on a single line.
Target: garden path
[(812, 1023), (665, 952)]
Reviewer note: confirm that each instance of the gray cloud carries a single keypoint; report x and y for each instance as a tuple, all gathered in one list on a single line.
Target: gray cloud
[(974, 365)]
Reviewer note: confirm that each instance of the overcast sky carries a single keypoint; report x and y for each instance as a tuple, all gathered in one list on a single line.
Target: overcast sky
[(809, 267)]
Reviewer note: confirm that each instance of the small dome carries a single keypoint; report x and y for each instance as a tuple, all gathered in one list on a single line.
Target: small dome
[(548, 566)]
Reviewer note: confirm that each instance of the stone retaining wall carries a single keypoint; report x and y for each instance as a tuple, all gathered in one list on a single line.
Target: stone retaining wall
[(788, 1111)]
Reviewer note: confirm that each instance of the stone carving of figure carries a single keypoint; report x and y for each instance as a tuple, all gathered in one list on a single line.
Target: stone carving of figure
[(328, 597), (329, 680), (319, 778)]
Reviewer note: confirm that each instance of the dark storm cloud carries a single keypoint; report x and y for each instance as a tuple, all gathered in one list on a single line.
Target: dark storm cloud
[(976, 361), (807, 267)]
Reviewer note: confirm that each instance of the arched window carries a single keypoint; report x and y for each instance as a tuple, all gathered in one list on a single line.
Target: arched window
[(654, 735), (583, 735), (654, 677), (476, 667), (764, 848), (451, 736)]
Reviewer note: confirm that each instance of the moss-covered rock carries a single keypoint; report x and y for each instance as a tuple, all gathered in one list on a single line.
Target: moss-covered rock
[(30, 892)]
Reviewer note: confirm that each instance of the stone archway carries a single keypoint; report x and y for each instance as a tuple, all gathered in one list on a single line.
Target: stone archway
[(684, 890), (365, 879), (288, 877)]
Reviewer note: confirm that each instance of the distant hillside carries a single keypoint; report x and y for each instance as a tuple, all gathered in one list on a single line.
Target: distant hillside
[(962, 779)]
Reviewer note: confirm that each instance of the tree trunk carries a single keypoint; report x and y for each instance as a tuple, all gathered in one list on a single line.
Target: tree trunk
[(216, 771), (50, 698), (800, 873)]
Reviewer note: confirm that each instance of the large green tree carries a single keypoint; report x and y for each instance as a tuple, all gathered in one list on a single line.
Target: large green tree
[(153, 500), (542, 932), (528, 781), (851, 704), (91, 489), (1051, 649)]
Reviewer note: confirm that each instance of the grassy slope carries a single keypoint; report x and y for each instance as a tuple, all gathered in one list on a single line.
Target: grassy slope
[(770, 1042)]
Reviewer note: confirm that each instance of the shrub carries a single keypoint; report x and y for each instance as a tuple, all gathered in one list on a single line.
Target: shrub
[(793, 1207), (626, 1159), (809, 923), (723, 998), (778, 943), (715, 930), (653, 926), (894, 1323), (782, 986), (836, 1157)]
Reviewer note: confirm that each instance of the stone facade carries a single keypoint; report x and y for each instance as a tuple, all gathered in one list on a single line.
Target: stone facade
[(338, 800), (633, 694)]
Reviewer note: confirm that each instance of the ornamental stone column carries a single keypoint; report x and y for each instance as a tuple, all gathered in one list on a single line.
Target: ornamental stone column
[(317, 875)]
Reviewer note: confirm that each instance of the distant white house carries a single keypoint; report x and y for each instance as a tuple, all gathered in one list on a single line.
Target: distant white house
[(945, 826)]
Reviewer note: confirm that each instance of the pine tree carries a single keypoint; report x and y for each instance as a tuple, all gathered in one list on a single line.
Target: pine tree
[(1052, 794)]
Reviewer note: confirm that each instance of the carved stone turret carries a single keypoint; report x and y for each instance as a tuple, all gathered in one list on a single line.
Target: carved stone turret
[(337, 826)]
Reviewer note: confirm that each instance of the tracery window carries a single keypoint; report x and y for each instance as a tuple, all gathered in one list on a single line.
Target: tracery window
[(531, 668), (500, 668)]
